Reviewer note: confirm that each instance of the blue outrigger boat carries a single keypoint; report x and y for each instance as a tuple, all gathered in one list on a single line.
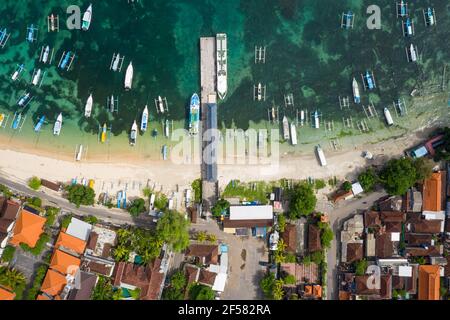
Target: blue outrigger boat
[(4, 37), (16, 122), (66, 60), (39, 125), (369, 81), (408, 28), (429, 16), (119, 199), (32, 33), (402, 9)]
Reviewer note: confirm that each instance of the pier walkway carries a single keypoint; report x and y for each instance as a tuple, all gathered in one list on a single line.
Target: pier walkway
[(209, 120)]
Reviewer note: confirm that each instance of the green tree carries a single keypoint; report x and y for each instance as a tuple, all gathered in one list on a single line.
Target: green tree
[(34, 183), (424, 168), (173, 228), (317, 257), (91, 219), (103, 289), (11, 278), (146, 192), (39, 276), (278, 292), (161, 201), (137, 207), (51, 213), (80, 195), (175, 290), (8, 253), (197, 187), (347, 186), (303, 201), (220, 208), (211, 238), (326, 235), (368, 179), (360, 267), (289, 279), (319, 184), (267, 284), (201, 292), (36, 202), (281, 222), (121, 253), (202, 236), (398, 176), (66, 220)]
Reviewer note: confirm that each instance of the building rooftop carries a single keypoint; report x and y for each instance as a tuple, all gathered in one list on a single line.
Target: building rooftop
[(70, 242), (432, 193), (208, 252), (314, 242), (28, 229), (6, 295), (426, 226), (87, 285), (289, 237), (429, 282), (79, 229), (54, 283), (303, 273), (251, 212), (64, 263), (227, 223), (354, 252)]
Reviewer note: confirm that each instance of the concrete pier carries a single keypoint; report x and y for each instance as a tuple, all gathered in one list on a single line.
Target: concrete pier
[(209, 121)]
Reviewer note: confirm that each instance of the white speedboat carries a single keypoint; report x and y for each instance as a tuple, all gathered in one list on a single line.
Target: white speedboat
[(133, 134), (144, 120), (293, 134), (129, 77), (88, 107), (37, 77), (87, 17), (58, 125)]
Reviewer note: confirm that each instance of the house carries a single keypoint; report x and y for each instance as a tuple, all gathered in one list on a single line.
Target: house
[(70, 243), (54, 283), (256, 218), (98, 266), (314, 242), (100, 243), (432, 193), (6, 295), (357, 189), (204, 253), (64, 263), (206, 277), (289, 237), (87, 282), (365, 286), (79, 229), (28, 229), (425, 226), (391, 204), (8, 214), (429, 282), (312, 292), (414, 201), (303, 273), (342, 195), (405, 278), (351, 233), (354, 252), (149, 279)]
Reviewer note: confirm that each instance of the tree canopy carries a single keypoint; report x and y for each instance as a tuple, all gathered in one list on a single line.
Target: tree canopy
[(303, 201), (347, 186), (368, 179), (175, 290), (201, 292), (80, 195), (137, 207), (424, 168), (220, 207), (398, 176), (173, 228), (34, 183)]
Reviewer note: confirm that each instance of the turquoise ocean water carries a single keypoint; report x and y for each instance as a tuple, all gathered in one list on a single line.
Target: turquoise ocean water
[(308, 55)]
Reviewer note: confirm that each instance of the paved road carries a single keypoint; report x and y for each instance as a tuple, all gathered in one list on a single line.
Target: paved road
[(340, 213), (114, 216)]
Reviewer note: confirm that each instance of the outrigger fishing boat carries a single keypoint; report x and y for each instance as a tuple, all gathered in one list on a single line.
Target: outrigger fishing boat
[(316, 118), (17, 121), (133, 134), (408, 27), (165, 152), (388, 116), (39, 125), (104, 133), (24, 100), (411, 53), (4, 37), (369, 80), (429, 16), (45, 56), (2, 118), (53, 23), (79, 154), (402, 9), (302, 117), (38, 77), (66, 60), (31, 33), (58, 125), (167, 128), (18, 72), (87, 17), (129, 77), (117, 62), (194, 114), (161, 104), (356, 95), (144, 120), (88, 107), (285, 128), (347, 20)]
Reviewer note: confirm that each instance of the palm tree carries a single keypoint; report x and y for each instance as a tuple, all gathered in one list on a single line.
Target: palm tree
[(121, 253), (201, 236), (12, 278), (212, 238)]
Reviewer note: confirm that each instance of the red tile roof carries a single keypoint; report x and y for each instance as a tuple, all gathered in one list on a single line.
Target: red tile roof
[(432, 192), (28, 229), (314, 243), (429, 282), (289, 237)]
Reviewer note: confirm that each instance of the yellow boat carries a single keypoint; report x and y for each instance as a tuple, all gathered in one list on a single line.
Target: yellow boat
[(104, 133), (91, 184), (2, 117)]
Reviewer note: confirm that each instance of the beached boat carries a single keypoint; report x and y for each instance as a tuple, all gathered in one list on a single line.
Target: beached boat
[(293, 134), (112, 105), (88, 107), (144, 120), (316, 119), (87, 18), (167, 128), (222, 65), (259, 96), (2, 118), (104, 133), (356, 95), (194, 114), (285, 128), (129, 77), (388, 116), (302, 117), (23, 100), (124, 199), (79, 153), (412, 53), (17, 73), (133, 133), (39, 125), (161, 104), (429, 17), (58, 125), (261, 139), (119, 199), (321, 156), (165, 152)]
